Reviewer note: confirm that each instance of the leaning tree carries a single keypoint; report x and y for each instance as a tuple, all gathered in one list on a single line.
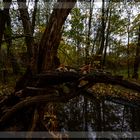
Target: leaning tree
[(42, 57)]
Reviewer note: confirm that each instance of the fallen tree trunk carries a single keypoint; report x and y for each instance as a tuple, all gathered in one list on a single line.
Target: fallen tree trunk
[(72, 80)]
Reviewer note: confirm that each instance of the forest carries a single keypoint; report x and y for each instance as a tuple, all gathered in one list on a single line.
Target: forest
[(70, 69)]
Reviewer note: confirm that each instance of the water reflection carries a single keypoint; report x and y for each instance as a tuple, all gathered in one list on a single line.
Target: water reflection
[(93, 116)]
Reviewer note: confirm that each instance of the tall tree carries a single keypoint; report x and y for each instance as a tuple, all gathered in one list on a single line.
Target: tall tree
[(89, 31), (137, 57), (34, 16), (103, 24), (128, 7), (128, 43), (43, 57), (47, 59), (27, 26), (108, 20), (8, 37), (3, 18)]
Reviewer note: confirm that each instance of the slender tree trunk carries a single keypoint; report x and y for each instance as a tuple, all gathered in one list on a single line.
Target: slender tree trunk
[(3, 16), (137, 57), (128, 55), (48, 10), (89, 32), (78, 52), (2, 25), (97, 38), (27, 25), (107, 33), (32, 49), (100, 50), (7, 24), (87, 61), (34, 16), (7, 37)]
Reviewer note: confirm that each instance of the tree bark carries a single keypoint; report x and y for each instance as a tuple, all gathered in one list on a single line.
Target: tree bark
[(100, 50), (8, 38), (2, 25), (128, 48), (87, 61), (27, 25), (43, 57), (32, 49), (34, 16), (107, 32), (3, 19), (55, 78), (137, 57), (52, 35)]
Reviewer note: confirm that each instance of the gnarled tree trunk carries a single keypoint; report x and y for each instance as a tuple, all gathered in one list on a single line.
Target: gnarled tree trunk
[(47, 59)]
